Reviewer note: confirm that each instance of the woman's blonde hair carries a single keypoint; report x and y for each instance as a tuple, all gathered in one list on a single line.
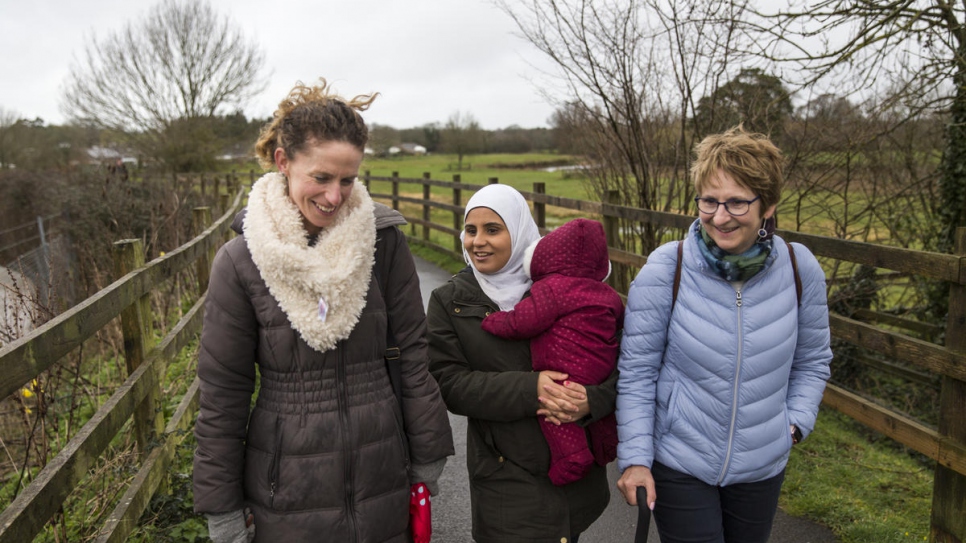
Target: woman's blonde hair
[(751, 159), (313, 113)]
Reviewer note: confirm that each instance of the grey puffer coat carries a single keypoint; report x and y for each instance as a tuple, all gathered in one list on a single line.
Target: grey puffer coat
[(490, 381), (323, 453)]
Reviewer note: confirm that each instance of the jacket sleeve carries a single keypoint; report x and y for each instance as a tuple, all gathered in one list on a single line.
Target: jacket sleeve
[(531, 316), (426, 421), (484, 395), (813, 352), (649, 301), (226, 370), (602, 399)]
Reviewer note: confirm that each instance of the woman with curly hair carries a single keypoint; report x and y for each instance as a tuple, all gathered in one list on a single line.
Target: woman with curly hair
[(303, 298)]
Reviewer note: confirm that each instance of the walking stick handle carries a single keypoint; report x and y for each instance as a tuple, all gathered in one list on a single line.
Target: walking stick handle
[(643, 516)]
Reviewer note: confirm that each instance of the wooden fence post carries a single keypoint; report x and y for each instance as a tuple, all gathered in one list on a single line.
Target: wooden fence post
[(251, 178), (224, 200), (493, 181), (135, 325), (612, 230), (427, 196), (949, 487), (366, 181), (217, 189), (457, 217), (540, 209), (395, 190), (201, 219)]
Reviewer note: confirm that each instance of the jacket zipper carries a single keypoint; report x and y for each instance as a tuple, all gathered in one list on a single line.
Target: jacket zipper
[(346, 448), (276, 463), (734, 393), (301, 380)]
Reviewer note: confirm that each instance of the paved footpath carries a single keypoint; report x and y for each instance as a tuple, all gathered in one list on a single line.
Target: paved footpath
[(451, 509)]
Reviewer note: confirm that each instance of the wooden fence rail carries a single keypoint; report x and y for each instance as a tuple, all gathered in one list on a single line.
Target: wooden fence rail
[(945, 444), (137, 397)]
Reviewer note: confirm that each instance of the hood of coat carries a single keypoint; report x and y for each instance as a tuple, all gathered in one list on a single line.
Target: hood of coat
[(576, 249)]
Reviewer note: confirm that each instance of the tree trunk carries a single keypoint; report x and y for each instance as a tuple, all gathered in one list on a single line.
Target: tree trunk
[(951, 207), (952, 180)]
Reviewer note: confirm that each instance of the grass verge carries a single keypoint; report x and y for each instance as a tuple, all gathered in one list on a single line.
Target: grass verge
[(864, 487)]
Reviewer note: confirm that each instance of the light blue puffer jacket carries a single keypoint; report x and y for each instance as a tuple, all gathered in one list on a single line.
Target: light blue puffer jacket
[(713, 393)]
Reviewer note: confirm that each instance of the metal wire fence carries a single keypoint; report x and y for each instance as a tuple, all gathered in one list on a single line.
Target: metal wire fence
[(35, 280)]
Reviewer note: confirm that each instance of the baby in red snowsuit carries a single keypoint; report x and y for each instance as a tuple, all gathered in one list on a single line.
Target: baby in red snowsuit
[(572, 319)]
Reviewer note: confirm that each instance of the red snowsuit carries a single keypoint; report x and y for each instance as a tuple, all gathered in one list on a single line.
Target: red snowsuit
[(572, 318)]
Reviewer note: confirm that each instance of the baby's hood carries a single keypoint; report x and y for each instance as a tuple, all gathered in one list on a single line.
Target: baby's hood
[(576, 249)]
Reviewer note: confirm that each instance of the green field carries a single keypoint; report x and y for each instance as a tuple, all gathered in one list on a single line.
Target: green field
[(518, 171)]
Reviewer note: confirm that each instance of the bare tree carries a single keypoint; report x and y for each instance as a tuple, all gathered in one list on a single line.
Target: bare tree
[(462, 136), (629, 75), (180, 63), (911, 51)]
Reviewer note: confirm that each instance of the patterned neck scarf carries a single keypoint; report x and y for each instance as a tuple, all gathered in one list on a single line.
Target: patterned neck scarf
[(733, 267)]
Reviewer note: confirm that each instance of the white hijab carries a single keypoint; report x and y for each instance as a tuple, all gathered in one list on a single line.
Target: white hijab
[(507, 286)]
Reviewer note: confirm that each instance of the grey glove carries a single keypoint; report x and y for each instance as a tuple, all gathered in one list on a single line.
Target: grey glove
[(231, 527), (427, 474)]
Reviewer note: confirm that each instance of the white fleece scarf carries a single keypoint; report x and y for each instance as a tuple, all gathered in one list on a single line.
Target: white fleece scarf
[(334, 272), (507, 286)]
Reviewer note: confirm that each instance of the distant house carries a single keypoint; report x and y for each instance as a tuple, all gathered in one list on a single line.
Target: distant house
[(237, 152), (107, 155), (412, 149), (103, 154)]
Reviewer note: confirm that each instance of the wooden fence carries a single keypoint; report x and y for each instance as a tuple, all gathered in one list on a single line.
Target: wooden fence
[(138, 398), (946, 444)]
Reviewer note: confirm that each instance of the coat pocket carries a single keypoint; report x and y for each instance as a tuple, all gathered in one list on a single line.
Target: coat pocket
[(483, 460), (262, 457), (471, 311), (667, 399)]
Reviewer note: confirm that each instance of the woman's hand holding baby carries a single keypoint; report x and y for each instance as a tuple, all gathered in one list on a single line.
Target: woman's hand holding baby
[(561, 403)]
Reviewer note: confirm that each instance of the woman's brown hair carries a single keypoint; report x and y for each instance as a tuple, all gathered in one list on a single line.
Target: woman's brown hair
[(313, 113), (751, 159)]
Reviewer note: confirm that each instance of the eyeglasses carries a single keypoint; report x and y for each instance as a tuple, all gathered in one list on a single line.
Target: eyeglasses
[(736, 208)]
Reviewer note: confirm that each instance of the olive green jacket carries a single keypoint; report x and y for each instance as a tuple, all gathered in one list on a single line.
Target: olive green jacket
[(490, 381)]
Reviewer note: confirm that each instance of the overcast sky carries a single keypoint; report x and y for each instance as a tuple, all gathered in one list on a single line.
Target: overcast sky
[(427, 58)]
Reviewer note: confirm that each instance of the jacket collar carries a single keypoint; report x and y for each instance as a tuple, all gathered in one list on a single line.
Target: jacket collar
[(321, 288)]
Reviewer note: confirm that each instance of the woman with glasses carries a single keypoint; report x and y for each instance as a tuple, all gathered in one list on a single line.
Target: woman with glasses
[(724, 356)]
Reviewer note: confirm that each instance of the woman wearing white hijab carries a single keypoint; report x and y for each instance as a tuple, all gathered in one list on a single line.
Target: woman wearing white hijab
[(490, 381)]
